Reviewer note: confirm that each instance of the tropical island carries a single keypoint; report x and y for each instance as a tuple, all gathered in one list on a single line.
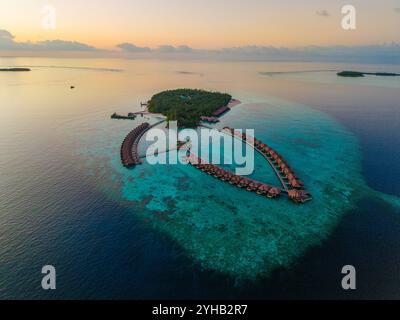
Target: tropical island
[(15, 69), (190, 106), (358, 74)]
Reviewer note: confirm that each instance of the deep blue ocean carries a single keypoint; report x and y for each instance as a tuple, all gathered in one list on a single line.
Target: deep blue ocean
[(170, 232)]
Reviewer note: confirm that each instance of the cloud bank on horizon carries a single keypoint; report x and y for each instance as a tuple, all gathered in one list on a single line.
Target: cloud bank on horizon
[(386, 53), (7, 42)]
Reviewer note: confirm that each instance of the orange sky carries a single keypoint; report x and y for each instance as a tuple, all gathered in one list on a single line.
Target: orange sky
[(202, 24)]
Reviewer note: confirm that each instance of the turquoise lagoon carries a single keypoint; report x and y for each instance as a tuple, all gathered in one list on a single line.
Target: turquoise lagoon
[(171, 231), (229, 230)]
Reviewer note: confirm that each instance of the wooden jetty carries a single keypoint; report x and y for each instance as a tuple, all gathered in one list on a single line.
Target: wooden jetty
[(129, 147), (233, 179), (286, 175)]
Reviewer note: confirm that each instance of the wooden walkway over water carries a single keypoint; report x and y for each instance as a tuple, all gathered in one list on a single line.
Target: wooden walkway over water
[(227, 176), (251, 144), (130, 146), (286, 175), (291, 185)]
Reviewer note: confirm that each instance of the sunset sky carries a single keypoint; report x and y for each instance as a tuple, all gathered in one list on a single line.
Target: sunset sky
[(205, 24)]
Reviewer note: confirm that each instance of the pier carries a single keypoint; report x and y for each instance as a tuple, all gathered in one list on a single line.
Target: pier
[(129, 147), (291, 185), (286, 175), (233, 179)]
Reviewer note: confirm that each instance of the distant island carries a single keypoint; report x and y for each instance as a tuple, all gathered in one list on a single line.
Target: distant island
[(357, 74), (15, 70), (189, 106)]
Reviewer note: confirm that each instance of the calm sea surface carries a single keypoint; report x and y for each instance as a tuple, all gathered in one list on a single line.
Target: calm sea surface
[(173, 232)]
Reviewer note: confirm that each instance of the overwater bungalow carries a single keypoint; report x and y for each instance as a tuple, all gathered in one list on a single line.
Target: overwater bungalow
[(281, 163), (290, 176), (290, 183), (282, 167), (213, 170), (263, 189), (267, 149), (271, 153), (288, 171), (227, 176), (223, 174), (235, 179), (219, 173), (274, 193), (295, 183), (241, 183), (250, 186), (299, 196), (246, 182), (253, 186)]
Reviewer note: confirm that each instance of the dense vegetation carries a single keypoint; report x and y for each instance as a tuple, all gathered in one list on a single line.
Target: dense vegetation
[(128, 117), (356, 74), (352, 74), (187, 105)]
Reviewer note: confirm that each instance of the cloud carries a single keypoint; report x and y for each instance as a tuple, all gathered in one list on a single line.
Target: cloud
[(60, 45), (184, 49), (166, 49), (323, 13), (6, 39), (4, 34), (191, 73), (7, 42), (171, 49), (388, 53), (129, 47)]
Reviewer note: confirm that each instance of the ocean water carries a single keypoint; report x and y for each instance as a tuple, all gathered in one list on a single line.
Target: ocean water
[(170, 231)]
